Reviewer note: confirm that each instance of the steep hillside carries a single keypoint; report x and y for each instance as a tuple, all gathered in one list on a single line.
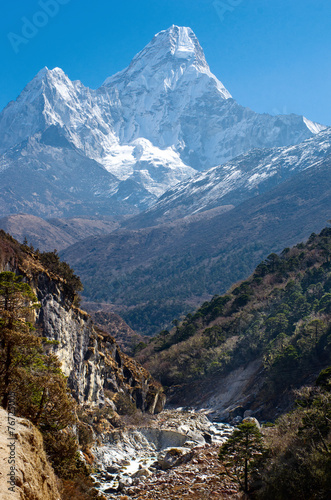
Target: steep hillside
[(247, 350), (34, 476), (155, 274), (113, 324), (47, 175), (96, 368), (54, 233)]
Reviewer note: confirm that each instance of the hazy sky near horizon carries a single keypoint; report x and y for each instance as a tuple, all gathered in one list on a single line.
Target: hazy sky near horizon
[(272, 55)]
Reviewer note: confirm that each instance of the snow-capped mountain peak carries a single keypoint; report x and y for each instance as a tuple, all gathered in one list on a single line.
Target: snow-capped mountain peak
[(50, 73), (50, 98), (184, 43), (45, 78), (173, 59), (156, 122), (180, 42)]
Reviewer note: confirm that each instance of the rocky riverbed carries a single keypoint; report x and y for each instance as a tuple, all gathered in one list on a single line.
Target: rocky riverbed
[(198, 479), (177, 449)]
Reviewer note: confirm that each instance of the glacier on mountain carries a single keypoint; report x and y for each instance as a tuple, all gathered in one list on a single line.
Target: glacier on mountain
[(246, 176)]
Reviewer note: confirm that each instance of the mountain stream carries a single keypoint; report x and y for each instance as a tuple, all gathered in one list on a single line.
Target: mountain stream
[(126, 455)]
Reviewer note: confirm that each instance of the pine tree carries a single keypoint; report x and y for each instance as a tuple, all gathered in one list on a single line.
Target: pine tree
[(17, 341), (36, 379), (42, 394), (240, 451)]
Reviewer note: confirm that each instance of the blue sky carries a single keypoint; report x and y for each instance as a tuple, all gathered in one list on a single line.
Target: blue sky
[(272, 55)]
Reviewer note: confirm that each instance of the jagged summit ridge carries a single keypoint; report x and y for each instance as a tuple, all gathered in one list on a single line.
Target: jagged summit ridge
[(182, 41), (166, 46), (172, 58), (46, 81)]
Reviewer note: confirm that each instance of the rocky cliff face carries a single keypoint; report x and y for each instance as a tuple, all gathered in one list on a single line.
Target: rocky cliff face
[(29, 474), (91, 358)]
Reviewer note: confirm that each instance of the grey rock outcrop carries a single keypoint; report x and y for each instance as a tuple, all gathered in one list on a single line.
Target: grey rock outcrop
[(90, 358)]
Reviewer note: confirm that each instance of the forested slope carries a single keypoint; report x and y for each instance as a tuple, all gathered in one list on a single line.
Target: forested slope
[(155, 274), (279, 317)]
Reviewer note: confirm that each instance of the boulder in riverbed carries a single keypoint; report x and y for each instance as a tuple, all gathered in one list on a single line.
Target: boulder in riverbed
[(172, 457)]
